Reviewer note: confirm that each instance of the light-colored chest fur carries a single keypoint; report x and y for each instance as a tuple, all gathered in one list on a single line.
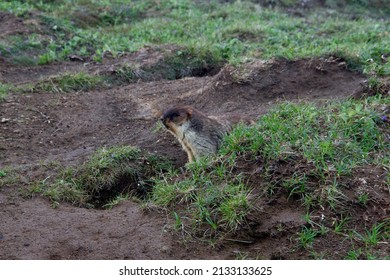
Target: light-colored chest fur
[(183, 134)]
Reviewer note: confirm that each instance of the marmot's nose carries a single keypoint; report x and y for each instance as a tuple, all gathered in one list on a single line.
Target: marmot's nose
[(164, 122)]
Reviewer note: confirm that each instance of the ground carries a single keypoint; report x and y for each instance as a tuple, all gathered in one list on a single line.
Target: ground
[(40, 130), (66, 128)]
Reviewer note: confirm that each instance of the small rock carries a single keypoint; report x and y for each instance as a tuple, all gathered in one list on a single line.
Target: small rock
[(164, 249), (74, 57), (4, 120)]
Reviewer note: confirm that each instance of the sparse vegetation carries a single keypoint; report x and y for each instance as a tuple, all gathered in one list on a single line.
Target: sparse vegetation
[(306, 237), (375, 234), (116, 200), (175, 64), (4, 90), (65, 83), (222, 206), (9, 176), (340, 225)]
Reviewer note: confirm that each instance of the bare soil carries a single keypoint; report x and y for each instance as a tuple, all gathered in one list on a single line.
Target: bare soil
[(40, 129)]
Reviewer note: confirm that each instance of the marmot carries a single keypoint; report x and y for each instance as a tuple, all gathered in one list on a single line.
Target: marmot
[(199, 134)]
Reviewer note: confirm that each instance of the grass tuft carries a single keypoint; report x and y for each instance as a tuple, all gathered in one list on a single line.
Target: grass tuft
[(108, 177), (212, 205), (375, 234), (67, 82), (306, 237), (4, 90)]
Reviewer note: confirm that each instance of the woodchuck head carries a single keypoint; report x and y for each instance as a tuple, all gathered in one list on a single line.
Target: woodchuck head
[(176, 116)]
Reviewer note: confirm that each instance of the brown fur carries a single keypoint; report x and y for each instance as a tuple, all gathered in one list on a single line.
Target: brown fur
[(199, 134)]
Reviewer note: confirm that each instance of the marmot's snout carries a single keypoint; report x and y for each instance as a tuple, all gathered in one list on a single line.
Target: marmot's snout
[(164, 122), (175, 116)]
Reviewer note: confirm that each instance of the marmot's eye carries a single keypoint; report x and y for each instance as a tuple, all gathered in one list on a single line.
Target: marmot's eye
[(174, 115)]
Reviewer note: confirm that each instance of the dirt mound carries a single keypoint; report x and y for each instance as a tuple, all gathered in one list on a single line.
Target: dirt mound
[(47, 127), (254, 87)]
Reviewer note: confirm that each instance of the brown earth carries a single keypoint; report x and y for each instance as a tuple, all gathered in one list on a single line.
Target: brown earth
[(12, 25), (41, 128)]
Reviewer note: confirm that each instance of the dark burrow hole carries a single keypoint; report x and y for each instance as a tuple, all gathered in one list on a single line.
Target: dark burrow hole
[(126, 184), (199, 72), (175, 72)]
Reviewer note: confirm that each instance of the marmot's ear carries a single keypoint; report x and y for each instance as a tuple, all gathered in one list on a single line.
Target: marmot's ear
[(189, 112)]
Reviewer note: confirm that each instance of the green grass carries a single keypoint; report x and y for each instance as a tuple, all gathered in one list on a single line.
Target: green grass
[(176, 63), (330, 142), (375, 234), (4, 90), (335, 139), (173, 65), (3, 174), (232, 32), (361, 254), (354, 254), (371, 238), (116, 200), (11, 176), (209, 206), (322, 146), (341, 224), (67, 82), (105, 179), (306, 237), (363, 198)]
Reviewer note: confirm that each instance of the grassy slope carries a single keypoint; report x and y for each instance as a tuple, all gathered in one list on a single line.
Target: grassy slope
[(232, 32), (325, 148)]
